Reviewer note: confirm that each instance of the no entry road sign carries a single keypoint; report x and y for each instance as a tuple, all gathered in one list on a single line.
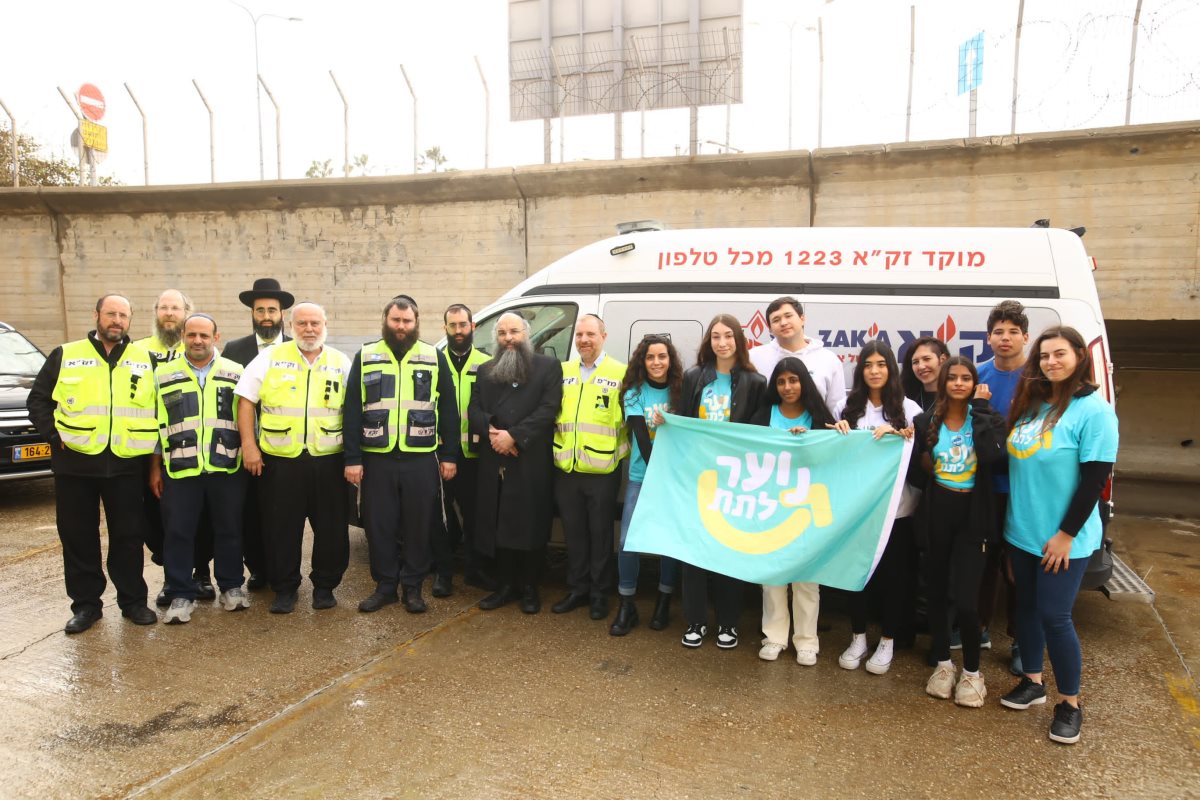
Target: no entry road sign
[(91, 102)]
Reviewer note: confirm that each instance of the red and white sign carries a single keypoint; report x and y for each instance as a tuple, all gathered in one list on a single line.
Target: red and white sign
[(91, 102)]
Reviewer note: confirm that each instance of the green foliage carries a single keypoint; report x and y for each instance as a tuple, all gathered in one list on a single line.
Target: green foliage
[(320, 169), (432, 160), (36, 170)]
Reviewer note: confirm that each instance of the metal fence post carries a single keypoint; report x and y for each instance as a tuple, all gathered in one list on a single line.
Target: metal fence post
[(487, 113), (345, 125), (12, 132), (212, 141), (145, 137), (404, 72), (278, 130)]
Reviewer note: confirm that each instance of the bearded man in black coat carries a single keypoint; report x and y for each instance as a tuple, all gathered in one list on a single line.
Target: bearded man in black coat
[(514, 404)]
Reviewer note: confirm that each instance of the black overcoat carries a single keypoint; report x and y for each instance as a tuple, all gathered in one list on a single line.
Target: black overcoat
[(518, 516)]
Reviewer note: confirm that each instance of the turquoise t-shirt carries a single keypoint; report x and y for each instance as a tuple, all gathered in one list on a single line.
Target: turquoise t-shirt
[(643, 401), (715, 399), (953, 456), (778, 420), (1043, 473)]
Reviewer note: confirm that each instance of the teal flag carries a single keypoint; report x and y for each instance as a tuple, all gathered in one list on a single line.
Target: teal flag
[(766, 506)]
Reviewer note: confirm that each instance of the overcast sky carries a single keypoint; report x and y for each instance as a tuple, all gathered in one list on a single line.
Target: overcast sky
[(1074, 71)]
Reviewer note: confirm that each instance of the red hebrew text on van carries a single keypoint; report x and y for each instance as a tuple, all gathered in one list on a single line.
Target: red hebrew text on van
[(885, 260)]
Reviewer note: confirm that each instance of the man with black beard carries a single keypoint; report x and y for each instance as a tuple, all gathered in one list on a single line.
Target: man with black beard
[(511, 415), (401, 431), (267, 302)]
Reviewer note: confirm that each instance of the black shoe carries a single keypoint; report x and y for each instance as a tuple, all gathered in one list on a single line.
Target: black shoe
[(1067, 721), (162, 601), (627, 618), (140, 615), (377, 600), (569, 603), (443, 586), (204, 587), (1025, 694), (284, 603), (531, 603), (598, 608), (480, 581), (413, 602), (662, 612), (323, 598), (501, 597), (257, 581), (83, 620)]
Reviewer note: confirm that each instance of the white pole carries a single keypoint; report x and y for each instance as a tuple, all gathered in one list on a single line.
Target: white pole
[(78, 126), (345, 125), (145, 137), (404, 72), (278, 131), (912, 57), (487, 113), (212, 138), (1137, 16), (1016, 64), (12, 132), (820, 81)]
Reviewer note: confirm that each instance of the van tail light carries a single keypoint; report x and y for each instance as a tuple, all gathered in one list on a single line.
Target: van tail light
[(1106, 492), (1101, 369), (1095, 264)]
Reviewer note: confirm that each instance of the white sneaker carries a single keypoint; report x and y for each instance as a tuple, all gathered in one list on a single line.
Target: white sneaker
[(881, 661), (234, 599), (770, 651), (852, 656), (806, 658), (179, 612), (941, 682), (970, 691)]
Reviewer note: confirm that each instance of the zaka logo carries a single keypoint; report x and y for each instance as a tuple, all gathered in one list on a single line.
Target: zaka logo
[(947, 329), (767, 509), (756, 330), (848, 341)]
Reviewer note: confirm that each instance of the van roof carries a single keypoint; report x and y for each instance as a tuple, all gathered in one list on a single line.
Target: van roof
[(823, 260)]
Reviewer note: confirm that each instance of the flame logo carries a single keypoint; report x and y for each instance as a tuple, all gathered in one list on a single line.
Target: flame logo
[(873, 331), (946, 330), (755, 329)]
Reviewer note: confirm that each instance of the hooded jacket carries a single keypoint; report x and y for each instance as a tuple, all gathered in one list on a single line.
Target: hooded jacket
[(825, 367)]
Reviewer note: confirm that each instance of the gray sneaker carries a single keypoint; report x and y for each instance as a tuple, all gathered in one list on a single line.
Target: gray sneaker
[(234, 599), (180, 611)]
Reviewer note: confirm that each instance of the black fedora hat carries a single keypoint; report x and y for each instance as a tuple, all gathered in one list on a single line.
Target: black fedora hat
[(267, 287)]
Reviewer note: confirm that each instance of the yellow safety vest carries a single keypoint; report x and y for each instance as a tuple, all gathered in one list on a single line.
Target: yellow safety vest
[(462, 392), (589, 435), (198, 427), (399, 395), (98, 407), (301, 404), (158, 351)]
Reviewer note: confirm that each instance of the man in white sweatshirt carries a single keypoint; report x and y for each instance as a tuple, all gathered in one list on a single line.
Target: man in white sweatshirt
[(785, 316)]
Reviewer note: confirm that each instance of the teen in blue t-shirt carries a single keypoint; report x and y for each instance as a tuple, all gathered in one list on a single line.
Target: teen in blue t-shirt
[(793, 403), (651, 388), (1061, 449)]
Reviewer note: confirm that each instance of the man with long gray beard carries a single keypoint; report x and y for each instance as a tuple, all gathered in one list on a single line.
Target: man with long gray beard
[(401, 432), (511, 417), (301, 386)]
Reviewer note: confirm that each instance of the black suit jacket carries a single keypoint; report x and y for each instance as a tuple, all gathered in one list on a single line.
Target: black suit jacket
[(244, 350)]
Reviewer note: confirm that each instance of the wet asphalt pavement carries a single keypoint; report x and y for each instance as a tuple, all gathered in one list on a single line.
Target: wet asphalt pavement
[(462, 703)]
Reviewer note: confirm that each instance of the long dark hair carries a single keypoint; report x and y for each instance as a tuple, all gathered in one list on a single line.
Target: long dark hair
[(810, 396), (913, 387), (1035, 388), (636, 376), (943, 400), (741, 356), (892, 392)]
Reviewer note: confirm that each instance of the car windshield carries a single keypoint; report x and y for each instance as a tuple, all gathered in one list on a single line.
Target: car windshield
[(18, 356)]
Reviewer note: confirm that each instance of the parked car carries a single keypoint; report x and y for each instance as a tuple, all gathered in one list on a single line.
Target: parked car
[(24, 454)]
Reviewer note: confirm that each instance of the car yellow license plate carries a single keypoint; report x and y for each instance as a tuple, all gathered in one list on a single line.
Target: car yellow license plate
[(31, 452)]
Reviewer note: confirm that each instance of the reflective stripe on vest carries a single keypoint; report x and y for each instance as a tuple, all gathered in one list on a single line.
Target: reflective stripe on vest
[(589, 434), (462, 394), (198, 427), (399, 396), (98, 407), (302, 402)]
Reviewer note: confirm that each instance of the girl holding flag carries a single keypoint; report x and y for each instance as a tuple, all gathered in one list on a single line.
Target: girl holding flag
[(959, 441), (792, 403), (877, 403)]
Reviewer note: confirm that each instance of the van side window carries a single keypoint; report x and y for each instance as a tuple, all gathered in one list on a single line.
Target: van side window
[(551, 326)]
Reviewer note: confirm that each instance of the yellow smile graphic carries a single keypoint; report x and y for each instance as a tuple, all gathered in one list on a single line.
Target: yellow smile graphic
[(815, 509), (1037, 444)]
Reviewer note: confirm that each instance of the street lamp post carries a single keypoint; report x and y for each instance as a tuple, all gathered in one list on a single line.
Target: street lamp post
[(254, 19)]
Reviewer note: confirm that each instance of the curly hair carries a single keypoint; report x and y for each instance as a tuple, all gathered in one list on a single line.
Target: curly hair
[(636, 375), (943, 400)]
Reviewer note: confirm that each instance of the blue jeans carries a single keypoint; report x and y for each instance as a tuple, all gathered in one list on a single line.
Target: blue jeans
[(1044, 602), (628, 563)]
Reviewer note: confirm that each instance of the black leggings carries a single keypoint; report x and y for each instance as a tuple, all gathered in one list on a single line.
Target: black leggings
[(956, 554), (894, 581)]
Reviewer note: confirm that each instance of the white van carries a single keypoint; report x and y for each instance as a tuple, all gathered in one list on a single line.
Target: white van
[(856, 284)]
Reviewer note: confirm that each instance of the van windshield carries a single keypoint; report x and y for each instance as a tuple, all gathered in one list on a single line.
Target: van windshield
[(551, 326), (18, 356)]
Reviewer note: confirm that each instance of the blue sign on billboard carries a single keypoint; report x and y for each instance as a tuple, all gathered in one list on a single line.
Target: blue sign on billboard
[(970, 64)]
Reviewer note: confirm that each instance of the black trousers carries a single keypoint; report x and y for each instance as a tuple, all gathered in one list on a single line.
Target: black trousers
[(254, 551), (296, 489), (399, 495), (189, 505), (995, 576), (894, 585), (956, 553), (457, 497), (726, 594), (587, 505), (77, 505), (519, 568), (153, 530)]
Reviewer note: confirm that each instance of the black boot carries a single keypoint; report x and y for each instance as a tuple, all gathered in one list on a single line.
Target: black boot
[(627, 618), (662, 611)]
